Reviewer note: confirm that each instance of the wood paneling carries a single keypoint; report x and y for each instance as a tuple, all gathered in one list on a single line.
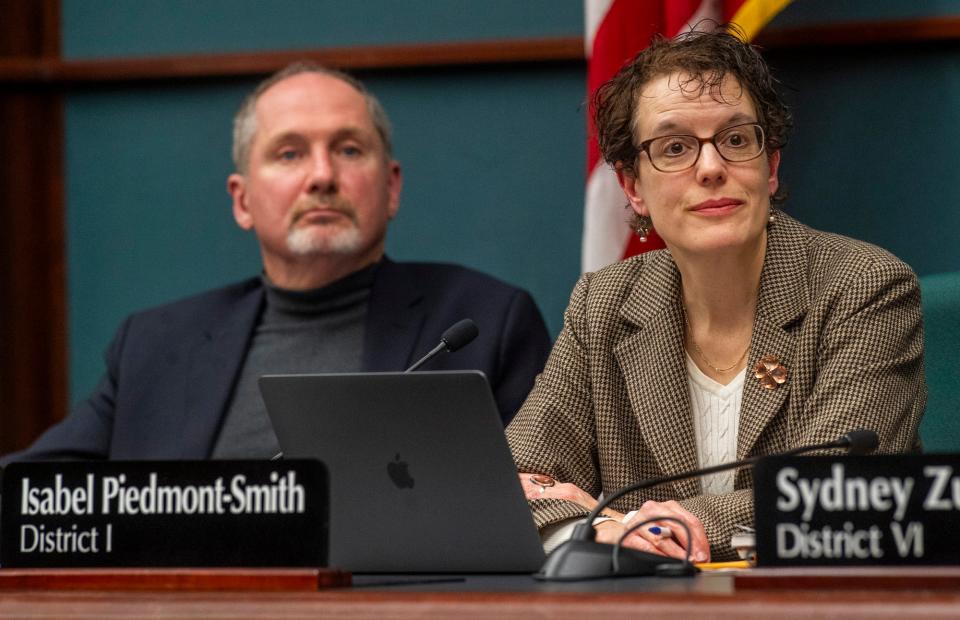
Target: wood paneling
[(256, 63), (178, 579), (33, 336), (851, 578), (557, 49), (707, 597), (896, 32)]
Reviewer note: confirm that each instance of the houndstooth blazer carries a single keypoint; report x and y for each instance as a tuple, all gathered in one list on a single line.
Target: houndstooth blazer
[(612, 404)]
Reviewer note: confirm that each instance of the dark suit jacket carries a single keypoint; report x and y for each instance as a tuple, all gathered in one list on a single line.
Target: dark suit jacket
[(171, 370), (612, 405)]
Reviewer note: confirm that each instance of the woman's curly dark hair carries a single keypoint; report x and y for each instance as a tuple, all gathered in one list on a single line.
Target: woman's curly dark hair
[(705, 58)]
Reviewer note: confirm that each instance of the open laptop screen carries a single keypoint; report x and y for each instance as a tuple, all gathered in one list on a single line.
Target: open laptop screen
[(421, 477)]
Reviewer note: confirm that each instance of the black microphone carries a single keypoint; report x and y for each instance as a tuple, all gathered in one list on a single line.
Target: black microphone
[(457, 336), (582, 557), (860, 442)]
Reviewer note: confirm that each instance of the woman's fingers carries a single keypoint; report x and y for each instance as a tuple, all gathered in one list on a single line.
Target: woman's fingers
[(669, 540), (541, 486), (699, 545)]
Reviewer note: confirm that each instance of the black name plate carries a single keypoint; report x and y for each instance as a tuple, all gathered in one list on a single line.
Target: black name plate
[(856, 511), (164, 513)]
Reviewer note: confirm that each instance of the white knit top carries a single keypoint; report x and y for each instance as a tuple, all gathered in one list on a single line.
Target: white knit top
[(716, 415)]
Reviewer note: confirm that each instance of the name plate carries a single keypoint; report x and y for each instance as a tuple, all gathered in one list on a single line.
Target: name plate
[(164, 513), (856, 511)]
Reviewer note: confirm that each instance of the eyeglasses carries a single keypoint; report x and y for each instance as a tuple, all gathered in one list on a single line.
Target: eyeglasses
[(676, 153)]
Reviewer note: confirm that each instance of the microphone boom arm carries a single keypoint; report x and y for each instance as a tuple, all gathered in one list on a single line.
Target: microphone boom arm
[(457, 336), (654, 482), (581, 557)]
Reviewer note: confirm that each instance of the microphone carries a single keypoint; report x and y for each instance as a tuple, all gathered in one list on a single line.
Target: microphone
[(581, 557), (457, 336), (860, 442)]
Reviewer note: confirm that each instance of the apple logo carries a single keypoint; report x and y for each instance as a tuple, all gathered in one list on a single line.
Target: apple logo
[(397, 470)]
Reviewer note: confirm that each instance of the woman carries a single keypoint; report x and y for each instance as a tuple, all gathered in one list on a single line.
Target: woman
[(750, 334)]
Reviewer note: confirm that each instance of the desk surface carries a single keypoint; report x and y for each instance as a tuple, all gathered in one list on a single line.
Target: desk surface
[(705, 596)]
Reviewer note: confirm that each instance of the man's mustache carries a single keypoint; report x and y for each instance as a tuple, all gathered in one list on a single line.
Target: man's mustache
[(329, 204)]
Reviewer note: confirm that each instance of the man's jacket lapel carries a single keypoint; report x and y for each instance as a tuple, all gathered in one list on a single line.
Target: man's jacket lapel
[(215, 362), (395, 318)]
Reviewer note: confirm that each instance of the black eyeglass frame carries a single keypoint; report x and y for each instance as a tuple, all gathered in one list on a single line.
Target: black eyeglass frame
[(644, 146)]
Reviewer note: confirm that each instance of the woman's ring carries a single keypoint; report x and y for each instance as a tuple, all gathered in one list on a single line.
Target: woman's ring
[(543, 481)]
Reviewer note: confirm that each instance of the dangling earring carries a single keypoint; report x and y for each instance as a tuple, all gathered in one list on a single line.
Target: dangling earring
[(642, 225), (772, 217)]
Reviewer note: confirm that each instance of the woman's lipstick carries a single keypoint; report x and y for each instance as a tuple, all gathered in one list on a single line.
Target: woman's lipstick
[(716, 206)]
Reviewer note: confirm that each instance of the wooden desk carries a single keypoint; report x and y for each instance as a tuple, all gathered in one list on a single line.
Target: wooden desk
[(501, 597)]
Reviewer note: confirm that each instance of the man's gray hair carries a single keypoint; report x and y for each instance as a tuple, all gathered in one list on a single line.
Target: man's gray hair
[(245, 120)]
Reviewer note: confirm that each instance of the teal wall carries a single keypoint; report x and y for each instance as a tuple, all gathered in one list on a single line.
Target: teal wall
[(872, 154), (493, 156), (106, 28), (815, 12)]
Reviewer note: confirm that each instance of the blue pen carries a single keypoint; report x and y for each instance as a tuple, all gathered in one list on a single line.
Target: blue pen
[(663, 531)]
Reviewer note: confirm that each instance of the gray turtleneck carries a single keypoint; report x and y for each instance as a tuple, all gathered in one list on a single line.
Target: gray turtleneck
[(319, 330)]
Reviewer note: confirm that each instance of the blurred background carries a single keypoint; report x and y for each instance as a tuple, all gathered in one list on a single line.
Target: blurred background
[(115, 121)]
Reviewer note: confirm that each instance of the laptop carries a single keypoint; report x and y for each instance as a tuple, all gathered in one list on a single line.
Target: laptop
[(421, 477)]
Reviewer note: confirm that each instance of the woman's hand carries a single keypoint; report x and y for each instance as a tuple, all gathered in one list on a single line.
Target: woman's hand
[(673, 545), (542, 486)]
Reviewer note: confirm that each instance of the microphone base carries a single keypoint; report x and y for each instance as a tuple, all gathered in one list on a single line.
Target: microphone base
[(575, 560)]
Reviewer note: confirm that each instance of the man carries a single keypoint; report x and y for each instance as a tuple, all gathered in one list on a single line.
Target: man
[(317, 183)]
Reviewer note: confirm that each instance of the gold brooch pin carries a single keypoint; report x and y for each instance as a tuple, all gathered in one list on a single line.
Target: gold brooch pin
[(770, 372)]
